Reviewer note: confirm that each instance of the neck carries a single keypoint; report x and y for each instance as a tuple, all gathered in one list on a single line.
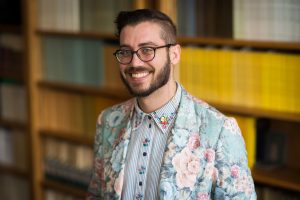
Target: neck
[(158, 98)]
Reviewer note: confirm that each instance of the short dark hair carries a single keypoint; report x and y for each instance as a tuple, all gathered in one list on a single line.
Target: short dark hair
[(135, 17)]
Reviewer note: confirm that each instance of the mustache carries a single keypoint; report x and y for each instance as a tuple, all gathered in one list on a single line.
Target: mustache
[(131, 70)]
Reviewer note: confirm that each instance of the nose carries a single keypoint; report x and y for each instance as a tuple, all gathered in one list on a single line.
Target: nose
[(136, 61)]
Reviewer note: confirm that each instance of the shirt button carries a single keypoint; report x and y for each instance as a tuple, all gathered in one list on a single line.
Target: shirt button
[(149, 125), (140, 183), (149, 117), (145, 154)]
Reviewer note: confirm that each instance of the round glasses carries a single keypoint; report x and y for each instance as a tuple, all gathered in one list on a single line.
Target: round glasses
[(145, 54)]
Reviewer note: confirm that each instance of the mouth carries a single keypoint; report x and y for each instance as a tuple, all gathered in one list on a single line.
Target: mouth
[(139, 75)]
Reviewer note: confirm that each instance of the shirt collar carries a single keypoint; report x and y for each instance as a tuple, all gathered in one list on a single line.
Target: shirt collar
[(164, 116)]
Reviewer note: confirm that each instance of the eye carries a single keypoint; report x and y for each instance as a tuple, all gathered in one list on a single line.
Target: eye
[(147, 50), (124, 53)]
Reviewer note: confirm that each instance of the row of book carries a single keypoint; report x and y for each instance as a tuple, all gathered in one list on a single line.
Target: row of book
[(56, 195), (13, 103), (71, 113), (80, 15), (263, 80), (274, 20), (14, 148), (67, 162), (14, 188), (266, 144), (201, 18), (80, 61), (11, 48)]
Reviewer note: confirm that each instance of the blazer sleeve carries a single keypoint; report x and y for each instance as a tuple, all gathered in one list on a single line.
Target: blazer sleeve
[(96, 185), (234, 176)]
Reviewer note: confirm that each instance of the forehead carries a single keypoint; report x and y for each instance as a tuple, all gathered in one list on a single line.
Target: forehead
[(145, 32)]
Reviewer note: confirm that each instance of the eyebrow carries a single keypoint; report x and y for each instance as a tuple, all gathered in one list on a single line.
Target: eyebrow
[(140, 45)]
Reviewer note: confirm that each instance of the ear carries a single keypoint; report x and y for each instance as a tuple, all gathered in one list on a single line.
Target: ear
[(175, 54)]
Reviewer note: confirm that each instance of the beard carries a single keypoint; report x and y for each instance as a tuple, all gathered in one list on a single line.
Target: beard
[(161, 80)]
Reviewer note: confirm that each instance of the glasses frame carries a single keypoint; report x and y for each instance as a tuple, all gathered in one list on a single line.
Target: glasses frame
[(136, 52)]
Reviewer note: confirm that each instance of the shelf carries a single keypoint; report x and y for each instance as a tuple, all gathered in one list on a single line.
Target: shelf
[(256, 112), (13, 124), (12, 76), (64, 188), (70, 137), (281, 177), (79, 34), (289, 46), (123, 95), (10, 29), (13, 171), (87, 90)]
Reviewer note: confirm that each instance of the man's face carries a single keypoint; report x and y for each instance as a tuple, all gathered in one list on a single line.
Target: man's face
[(143, 78)]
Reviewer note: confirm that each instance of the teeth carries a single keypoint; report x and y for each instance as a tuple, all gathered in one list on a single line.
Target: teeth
[(139, 75)]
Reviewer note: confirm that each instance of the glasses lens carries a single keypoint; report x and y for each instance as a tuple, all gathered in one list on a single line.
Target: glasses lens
[(146, 53), (124, 56)]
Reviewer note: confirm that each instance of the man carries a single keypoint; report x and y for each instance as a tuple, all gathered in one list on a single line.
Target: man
[(164, 143)]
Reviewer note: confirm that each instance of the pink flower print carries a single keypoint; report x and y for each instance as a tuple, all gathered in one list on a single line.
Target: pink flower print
[(119, 182), (99, 172), (99, 168), (209, 155), (234, 170), (164, 121), (187, 166), (202, 196), (231, 125), (194, 141)]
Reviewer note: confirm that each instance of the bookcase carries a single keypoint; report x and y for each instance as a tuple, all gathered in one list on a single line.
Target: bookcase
[(71, 76), (15, 157)]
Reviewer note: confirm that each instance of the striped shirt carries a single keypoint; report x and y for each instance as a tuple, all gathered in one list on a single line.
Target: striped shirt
[(146, 148)]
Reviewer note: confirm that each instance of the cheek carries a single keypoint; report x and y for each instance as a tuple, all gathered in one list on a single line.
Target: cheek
[(122, 68)]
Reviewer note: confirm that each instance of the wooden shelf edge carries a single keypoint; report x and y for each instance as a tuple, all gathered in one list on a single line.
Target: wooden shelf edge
[(68, 136), (88, 90), (11, 29), (78, 34), (13, 124), (257, 112), (12, 170), (12, 76), (282, 177), (56, 185), (290, 46)]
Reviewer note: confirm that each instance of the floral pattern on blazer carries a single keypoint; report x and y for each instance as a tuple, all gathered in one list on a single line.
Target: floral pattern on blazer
[(205, 157)]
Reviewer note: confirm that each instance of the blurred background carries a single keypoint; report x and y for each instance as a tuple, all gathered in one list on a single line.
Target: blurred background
[(57, 73)]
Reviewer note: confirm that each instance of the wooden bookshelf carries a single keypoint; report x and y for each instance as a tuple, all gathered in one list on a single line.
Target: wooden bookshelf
[(279, 177), (256, 112), (13, 124), (282, 178), (12, 76), (13, 171), (274, 45), (64, 188), (67, 136), (10, 29), (87, 90), (79, 34)]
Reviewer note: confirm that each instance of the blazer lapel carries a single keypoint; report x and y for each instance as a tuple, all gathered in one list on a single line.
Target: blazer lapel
[(120, 146)]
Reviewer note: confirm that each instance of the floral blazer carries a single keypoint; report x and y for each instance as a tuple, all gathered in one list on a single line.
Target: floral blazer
[(205, 156)]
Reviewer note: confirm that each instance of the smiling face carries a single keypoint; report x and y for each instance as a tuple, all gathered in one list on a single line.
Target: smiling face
[(143, 78)]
